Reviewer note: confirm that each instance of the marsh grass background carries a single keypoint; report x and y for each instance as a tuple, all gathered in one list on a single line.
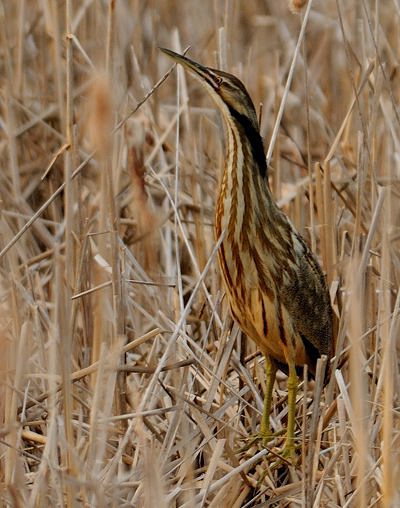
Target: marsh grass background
[(122, 379)]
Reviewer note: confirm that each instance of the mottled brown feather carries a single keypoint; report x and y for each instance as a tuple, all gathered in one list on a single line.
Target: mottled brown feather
[(275, 286)]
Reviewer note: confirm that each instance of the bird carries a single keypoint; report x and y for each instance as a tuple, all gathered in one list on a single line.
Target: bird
[(275, 286)]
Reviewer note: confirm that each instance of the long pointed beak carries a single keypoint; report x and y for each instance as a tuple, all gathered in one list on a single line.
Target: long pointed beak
[(192, 66)]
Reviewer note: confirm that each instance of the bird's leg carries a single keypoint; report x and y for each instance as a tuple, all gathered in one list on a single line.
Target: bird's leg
[(265, 435), (289, 448), (270, 373)]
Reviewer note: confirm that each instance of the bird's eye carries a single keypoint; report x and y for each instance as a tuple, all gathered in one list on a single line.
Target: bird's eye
[(218, 80)]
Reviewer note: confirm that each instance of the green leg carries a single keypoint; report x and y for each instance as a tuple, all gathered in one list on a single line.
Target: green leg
[(270, 373), (289, 448)]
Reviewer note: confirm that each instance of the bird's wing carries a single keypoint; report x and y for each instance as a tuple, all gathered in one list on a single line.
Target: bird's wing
[(306, 297)]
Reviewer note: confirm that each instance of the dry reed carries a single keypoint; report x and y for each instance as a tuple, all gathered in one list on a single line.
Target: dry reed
[(123, 381)]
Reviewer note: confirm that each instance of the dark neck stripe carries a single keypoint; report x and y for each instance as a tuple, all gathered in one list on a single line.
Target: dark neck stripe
[(254, 138)]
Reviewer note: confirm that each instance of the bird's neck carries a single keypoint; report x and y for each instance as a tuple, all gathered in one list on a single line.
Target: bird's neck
[(244, 188)]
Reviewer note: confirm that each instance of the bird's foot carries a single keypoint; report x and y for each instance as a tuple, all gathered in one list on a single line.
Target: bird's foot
[(287, 455), (262, 439), (288, 451), (277, 457)]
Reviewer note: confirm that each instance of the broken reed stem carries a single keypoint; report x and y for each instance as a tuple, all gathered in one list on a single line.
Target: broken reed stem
[(319, 191), (66, 270), (117, 288), (329, 224), (314, 443)]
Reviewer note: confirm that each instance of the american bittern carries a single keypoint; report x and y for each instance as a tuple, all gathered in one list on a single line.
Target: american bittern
[(276, 290)]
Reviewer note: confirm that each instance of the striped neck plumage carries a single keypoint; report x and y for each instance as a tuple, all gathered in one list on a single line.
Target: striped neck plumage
[(243, 183)]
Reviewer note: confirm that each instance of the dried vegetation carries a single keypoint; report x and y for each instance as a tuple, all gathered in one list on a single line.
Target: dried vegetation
[(122, 379)]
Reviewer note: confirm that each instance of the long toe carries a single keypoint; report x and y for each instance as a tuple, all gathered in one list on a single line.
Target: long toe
[(289, 451), (261, 439)]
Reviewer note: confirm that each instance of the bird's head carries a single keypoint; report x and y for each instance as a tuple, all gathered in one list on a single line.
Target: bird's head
[(226, 90)]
